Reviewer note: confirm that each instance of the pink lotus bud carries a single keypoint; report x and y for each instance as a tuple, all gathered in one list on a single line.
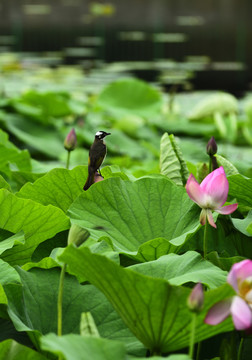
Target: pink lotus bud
[(70, 141), (195, 300), (211, 147)]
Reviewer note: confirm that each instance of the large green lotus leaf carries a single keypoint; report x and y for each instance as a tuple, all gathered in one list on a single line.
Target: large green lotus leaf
[(38, 223), (154, 310), (17, 239), (33, 306), (131, 96), (59, 187), (240, 188), (11, 350), (46, 139), (8, 274), (133, 213), (76, 347), (180, 269)]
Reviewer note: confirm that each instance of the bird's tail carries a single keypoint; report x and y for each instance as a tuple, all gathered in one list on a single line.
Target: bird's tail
[(90, 180)]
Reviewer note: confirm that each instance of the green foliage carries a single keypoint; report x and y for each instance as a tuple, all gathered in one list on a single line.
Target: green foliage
[(172, 163), (217, 103), (130, 96), (126, 286), (76, 347), (158, 311), (133, 213), (11, 350)]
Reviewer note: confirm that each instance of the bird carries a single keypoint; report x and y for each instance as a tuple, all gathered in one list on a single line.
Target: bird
[(97, 154)]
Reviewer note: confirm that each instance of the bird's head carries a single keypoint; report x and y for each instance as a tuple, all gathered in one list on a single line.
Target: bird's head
[(101, 134)]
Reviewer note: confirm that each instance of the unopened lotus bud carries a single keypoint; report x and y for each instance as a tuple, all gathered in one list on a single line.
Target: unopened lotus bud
[(77, 235), (196, 298), (70, 141), (211, 147)]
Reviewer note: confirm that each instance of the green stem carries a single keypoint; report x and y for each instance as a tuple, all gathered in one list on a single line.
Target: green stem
[(239, 356), (198, 351), (205, 240), (210, 168), (68, 159), (60, 300), (191, 345)]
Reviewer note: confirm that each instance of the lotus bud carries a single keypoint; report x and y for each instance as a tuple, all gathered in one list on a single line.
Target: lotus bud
[(211, 147), (196, 298), (70, 141), (77, 235)]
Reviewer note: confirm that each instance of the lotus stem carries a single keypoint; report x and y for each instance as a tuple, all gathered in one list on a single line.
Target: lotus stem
[(239, 356), (205, 240), (193, 327), (60, 301), (68, 159)]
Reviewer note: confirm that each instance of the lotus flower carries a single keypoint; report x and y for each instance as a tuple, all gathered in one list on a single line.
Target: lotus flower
[(240, 305), (210, 195)]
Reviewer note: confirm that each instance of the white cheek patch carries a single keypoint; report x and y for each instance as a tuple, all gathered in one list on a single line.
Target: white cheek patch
[(98, 133)]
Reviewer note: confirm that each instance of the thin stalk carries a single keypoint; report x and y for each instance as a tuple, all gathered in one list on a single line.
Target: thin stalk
[(193, 327), (210, 167), (60, 300), (68, 159), (205, 239), (198, 351), (239, 356)]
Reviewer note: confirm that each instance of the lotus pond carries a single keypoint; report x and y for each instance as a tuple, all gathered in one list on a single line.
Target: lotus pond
[(148, 267)]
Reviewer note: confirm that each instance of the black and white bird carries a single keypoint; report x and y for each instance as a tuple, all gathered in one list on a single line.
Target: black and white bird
[(97, 154)]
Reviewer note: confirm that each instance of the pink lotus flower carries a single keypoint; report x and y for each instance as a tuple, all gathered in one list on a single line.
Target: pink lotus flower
[(240, 305), (210, 195)]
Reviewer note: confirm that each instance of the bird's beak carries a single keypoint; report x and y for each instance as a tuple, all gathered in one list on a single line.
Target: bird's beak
[(108, 134)]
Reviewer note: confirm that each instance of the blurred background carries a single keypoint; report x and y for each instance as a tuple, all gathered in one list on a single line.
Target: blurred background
[(190, 44), (135, 68)]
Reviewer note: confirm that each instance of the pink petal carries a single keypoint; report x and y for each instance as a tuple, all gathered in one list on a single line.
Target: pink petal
[(217, 191), (203, 216), (194, 190), (210, 177), (241, 271), (241, 314), (228, 209), (218, 312), (210, 218)]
